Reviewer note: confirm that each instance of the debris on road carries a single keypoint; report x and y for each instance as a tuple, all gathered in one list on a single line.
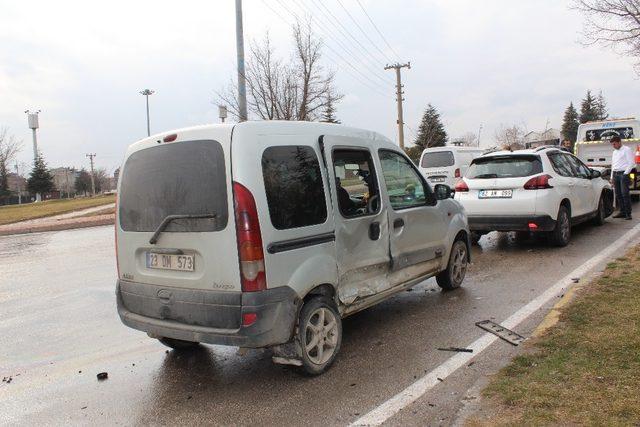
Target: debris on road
[(501, 332), (575, 279), (102, 376), (7, 379), (459, 349)]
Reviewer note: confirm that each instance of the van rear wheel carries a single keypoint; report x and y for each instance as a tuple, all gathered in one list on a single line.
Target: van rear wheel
[(319, 334), (178, 344), (452, 277)]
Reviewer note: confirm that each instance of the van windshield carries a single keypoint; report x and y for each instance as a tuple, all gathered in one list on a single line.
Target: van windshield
[(437, 159), (183, 178), (504, 167)]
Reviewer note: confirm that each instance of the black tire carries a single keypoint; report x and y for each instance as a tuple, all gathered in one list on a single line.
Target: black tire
[(314, 359), (601, 214), (178, 344), (475, 237), (561, 234), (453, 276)]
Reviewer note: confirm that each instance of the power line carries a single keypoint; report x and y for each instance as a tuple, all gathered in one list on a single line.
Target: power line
[(373, 64), (363, 31), (335, 19), (376, 28), (371, 86)]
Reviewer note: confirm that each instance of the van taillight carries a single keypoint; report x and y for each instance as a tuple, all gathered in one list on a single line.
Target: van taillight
[(538, 183), (252, 274), (461, 187), (457, 173)]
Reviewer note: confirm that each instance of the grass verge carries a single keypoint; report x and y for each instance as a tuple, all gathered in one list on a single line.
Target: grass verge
[(16, 213), (584, 370)]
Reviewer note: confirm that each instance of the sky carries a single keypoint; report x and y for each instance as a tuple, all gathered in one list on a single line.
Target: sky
[(487, 63)]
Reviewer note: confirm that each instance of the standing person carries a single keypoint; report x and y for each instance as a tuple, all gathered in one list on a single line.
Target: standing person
[(566, 146), (622, 163)]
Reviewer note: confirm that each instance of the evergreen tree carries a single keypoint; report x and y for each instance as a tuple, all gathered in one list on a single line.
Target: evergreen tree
[(83, 182), (588, 109), (601, 108), (570, 124), (40, 180), (431, 131), (4, 181), (329, 113)]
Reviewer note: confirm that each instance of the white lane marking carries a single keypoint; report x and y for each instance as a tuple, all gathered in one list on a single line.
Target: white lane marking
[(386, 410)]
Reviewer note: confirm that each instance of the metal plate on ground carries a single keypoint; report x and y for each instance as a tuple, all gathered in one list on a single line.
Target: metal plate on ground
[(501, 332)]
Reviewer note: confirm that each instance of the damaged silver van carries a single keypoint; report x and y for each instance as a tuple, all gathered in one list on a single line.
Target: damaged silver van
[(267, 234)]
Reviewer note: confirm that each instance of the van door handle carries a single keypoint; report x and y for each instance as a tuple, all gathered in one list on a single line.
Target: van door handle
[(374, 230), (398, 223)]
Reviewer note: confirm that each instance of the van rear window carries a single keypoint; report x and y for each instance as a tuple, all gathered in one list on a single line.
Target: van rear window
[(437, 159), (183, 178), (293, 183), (504, 167)]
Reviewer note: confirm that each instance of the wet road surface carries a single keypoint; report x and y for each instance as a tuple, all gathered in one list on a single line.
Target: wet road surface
[(59, 328)]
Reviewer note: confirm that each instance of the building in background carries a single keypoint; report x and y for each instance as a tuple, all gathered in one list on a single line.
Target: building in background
[(64, 180), (538, 139)]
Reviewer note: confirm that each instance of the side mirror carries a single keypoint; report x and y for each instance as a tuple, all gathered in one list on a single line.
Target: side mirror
[(595, 174), (443, 191)]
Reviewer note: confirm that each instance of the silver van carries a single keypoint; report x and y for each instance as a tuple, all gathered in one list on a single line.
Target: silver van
[(267, 234)]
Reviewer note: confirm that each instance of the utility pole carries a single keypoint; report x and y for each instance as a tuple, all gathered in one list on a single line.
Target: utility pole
[(146, 94), (399, 98), (479, 131), (93, 183), (242, 82), (19, 184), (66, 175)]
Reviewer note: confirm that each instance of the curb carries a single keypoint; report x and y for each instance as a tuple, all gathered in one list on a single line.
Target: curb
[(62, 225)]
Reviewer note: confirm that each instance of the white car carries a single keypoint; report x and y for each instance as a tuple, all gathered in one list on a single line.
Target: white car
[(538, 190), (446, 165)]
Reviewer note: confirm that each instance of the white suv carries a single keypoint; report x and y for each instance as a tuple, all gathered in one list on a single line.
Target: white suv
[(537, 190)]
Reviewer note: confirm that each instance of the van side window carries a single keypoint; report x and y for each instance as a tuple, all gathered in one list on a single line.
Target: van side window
[(404, 185), (293, 185), (356, 183)]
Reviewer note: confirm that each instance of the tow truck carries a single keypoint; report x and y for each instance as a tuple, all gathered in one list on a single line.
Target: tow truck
[(593, 148)]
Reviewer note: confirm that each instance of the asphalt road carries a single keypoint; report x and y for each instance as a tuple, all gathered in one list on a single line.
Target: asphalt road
[(59, 328)]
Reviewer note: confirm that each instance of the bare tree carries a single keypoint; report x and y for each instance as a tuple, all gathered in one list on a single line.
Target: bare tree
[(614, 23), (9, 147), (469, 139), (297, 89), (510, 137)]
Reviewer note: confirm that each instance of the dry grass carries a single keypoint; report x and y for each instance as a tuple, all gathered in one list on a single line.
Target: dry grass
[(15, 213), (106, 211), (585, 370)]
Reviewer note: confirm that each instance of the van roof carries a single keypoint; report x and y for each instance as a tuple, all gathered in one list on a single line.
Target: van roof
[(451, 148), (597, 122), (280, 127)]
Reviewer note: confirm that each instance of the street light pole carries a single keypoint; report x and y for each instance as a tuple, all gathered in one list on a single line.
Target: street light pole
[(242, 82), (146, 94), (19, 185), (479, 131)]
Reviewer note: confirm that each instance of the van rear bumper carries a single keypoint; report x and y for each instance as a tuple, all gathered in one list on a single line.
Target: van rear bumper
[(510, 223), (196, 315)]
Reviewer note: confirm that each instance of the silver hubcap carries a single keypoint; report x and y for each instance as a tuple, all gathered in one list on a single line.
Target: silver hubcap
[(459, 264), (321, 336)]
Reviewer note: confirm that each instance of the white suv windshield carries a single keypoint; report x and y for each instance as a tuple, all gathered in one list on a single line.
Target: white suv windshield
[(504, 167)]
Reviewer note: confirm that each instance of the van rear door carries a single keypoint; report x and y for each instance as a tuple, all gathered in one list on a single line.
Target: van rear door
[(175, 224)]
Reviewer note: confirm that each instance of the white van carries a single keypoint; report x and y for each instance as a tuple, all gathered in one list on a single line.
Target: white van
[(446, 165), (267, 234)]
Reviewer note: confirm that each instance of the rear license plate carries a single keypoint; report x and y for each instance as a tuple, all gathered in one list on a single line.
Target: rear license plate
[(171, 262), (436, 179), (495, 194)]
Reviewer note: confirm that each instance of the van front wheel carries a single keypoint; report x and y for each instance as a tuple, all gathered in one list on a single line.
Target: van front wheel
[(452, 277), (319, 334), (178, 344)]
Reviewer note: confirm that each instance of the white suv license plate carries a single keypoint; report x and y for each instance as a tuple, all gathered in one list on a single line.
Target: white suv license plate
[(495, 194), (171, 262)]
